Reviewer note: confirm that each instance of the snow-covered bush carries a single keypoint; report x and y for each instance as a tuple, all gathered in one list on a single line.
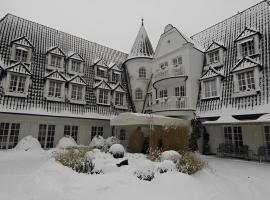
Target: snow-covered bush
[(82, 166), (190, 163), (117, 150), (112, 140), (170, 155), (28, 143), (154, 154), (166, 166), (97, 142), (66, 142), (145, 170)]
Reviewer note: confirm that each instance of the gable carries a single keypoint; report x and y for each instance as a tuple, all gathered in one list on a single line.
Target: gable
[(169, 41), (210, 73), (246, 63), (102, 85), (19, 68), (55, 75), (247, 32), (77, 80), (101, 62), (56, 50), (115, 67), (119, 88), (22, 41), (76, 56), (214, 45)]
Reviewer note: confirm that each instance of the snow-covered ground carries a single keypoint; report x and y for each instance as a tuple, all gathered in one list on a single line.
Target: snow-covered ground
[(36, 176)]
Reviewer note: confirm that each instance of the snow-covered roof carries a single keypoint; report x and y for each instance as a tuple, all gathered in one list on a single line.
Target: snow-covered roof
[(142, 46), (246, 63)]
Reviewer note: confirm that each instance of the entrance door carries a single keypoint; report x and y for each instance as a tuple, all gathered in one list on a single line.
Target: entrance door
[(267, 141), (46, 135)]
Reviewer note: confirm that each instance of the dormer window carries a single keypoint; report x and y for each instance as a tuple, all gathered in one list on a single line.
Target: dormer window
[(21, 54), (115, 77), (21, 50), (210, 88), (55, 89), (76, 66), (247, 48), (103, 96), (119, 99), (17, 83), (213, 57), (55, 59), (76, 92), (246, 81), (101, 72)]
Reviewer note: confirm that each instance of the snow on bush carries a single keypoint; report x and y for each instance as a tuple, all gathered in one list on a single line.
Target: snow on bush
[(145, 170), (166, 166), (98, 142), (82, 166), (170, 155), (190, 163), (154, 154), (112, 140), (117, 150), (66, 142), (28, 143)]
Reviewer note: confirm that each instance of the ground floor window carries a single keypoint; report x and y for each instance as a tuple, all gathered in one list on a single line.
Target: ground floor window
[(96, 130), (46, 135), (71, 131), (233, 136), (122, 134), (267, 139), (9, 135)]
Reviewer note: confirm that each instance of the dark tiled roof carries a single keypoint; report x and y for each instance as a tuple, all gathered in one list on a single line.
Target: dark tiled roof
[(256, 18), (43, 38)]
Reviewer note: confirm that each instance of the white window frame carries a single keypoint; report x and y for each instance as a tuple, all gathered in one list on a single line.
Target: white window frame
[(97, 130), (53, 67), (77, 101), (142, 73), (120, 95), (62, 92), (214, 56), (138, 94), (72, 131), (21, 48), (46, 135), (99, 94), (116, 77), (71, 69), (98, 75), (163, 93), (240, 43), (6, 85), (213, 94), (241, 93), (9, 134), (177, 61), (180, 91)]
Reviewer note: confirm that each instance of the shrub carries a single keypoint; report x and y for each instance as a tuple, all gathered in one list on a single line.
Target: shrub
[(175, 138), (166, 166), (136, 140), (75, 159), (145, 171), (117, 150), (171, 155), (82, 166), (197, 129), (28, 143), (154, 154), (66, 142), (97, 142), (190, 163)]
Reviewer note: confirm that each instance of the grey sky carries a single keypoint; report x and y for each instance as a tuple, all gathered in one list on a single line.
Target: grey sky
[(115, 23)]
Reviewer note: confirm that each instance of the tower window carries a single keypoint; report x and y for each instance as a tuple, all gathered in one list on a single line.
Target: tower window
[(142, 72), (138, 94)]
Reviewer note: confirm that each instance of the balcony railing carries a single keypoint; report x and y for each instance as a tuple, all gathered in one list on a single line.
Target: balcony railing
[(178, 70), (171, 103)]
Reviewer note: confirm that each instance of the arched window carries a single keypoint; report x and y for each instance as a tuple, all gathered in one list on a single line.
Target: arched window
[(122, 134), (142, 72), (138, 94)]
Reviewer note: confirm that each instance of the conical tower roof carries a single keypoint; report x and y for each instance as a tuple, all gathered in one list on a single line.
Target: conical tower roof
[(142, 46)]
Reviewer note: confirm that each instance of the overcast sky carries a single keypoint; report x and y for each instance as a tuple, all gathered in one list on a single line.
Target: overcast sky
[(115, 23)]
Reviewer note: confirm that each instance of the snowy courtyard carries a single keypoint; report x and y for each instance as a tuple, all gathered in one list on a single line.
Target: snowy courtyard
[(35, 175)]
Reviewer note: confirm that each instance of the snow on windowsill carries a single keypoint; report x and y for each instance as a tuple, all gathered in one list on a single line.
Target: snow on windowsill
[(212, 97), (15, 94), (245, 93)]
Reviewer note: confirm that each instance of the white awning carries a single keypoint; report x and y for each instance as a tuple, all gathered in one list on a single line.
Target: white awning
[(128, 119)]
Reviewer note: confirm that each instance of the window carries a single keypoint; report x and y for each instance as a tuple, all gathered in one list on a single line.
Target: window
[(180, 91), (247, 48), (21, 54), (177, 61), (267, 139), (101, 72), (142, 72), (9, 135), (163, 93), (210, 88), (76, 92), (233, 136), (96, 130), (76, 66), (115, 77), (56, 61), (122, 134), (46, 135), (71, 131), (17, 83), (246, 81), (55, 89), (214, 57), (103, 96), (138, 94), (164, 65), (119, 98)]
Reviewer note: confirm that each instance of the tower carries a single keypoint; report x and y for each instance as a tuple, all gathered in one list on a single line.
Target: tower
[(139, 69)]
